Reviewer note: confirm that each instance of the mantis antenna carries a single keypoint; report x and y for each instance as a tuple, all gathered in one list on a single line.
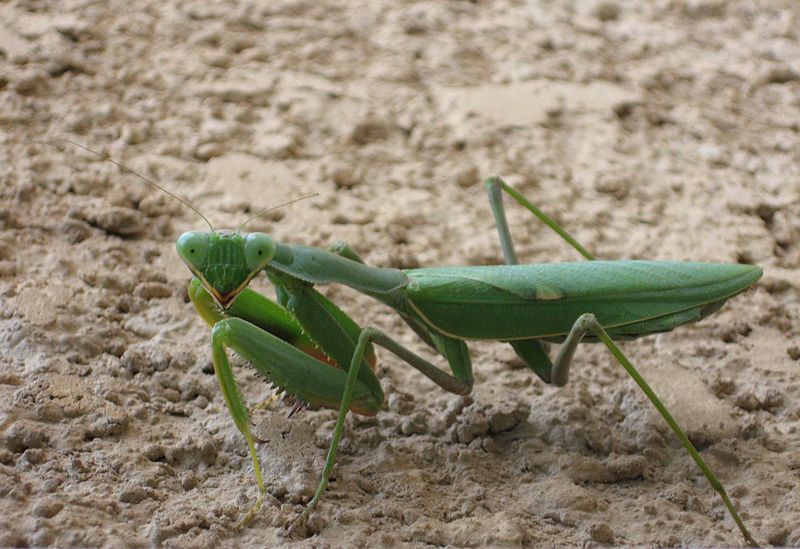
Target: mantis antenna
[(145, 179), (272, 208)]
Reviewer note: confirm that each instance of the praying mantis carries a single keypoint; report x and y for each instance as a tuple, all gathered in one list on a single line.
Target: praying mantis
[(308, 347)]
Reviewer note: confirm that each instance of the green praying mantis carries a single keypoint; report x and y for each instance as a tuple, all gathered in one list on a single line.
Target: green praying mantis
[(308, 347)]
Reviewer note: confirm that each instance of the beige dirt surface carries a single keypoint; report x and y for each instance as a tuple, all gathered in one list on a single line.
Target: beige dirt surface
[(658, 130)]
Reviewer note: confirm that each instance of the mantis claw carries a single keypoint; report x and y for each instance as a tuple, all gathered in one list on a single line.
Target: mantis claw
[(256, 508), (305, 526), (298, 528), (251, 514), (260, 440)]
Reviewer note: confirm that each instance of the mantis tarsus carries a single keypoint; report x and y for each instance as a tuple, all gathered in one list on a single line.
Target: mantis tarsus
[(311, 349)]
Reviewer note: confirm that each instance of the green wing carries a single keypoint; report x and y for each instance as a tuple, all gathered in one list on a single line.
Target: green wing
[(629, 298)]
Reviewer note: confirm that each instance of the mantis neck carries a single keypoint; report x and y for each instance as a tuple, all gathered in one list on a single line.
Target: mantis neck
[(322, 267)]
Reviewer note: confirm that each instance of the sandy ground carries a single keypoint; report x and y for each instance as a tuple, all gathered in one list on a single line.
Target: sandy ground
[(664, 130)]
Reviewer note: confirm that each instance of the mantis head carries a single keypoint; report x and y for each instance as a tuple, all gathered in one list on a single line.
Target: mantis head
[(225, 261)]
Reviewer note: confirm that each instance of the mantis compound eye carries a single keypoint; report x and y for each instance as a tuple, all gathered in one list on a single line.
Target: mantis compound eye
[(259, 249), (193, 249)]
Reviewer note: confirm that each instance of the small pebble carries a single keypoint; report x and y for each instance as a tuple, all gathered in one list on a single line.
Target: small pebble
[(601, 533), (117, 221), (30, 83), (607, 11), (207, 151), (414, 425), (23, 435), (316, 523), (275, 146), (33, 455), (153, 290), (132, 493), (47, 507), (346, 177), (781, 75), (468, 176)]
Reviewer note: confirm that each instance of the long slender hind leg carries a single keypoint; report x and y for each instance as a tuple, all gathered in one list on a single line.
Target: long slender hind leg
[(530, 351), (557, 373), (496, 186), (588, 323)]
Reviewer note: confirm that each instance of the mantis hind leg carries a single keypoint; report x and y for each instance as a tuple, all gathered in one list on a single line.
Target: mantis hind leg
[(530, 351), (588, 324), (496, 186), (557, 372)]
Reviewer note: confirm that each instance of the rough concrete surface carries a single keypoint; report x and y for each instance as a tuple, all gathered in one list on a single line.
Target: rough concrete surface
[(661, 130)]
